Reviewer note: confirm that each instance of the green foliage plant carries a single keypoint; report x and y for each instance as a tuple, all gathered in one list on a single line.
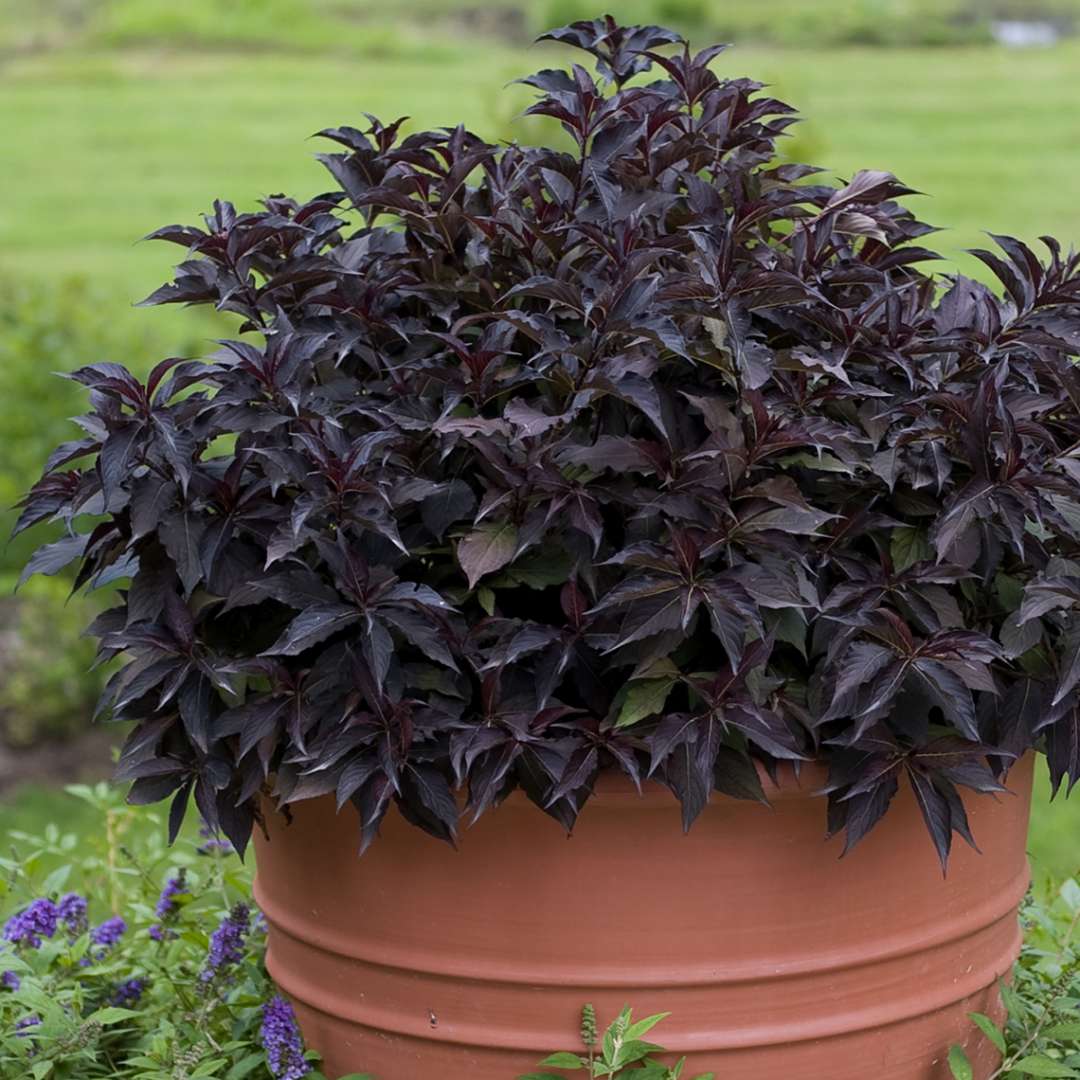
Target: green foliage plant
[(622, 1053), (1041, 1033)]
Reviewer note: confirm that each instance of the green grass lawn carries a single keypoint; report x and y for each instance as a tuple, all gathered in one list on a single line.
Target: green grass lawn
[(103, 144), (1054, 840), (102, 147)]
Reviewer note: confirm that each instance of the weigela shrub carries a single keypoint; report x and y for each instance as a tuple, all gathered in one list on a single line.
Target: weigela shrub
[(658, 455)]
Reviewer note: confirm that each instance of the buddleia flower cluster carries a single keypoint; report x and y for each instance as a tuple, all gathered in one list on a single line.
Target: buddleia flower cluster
[(90, 995)]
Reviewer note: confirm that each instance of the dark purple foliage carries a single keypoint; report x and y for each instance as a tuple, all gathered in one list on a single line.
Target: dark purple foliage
[(656, 455)]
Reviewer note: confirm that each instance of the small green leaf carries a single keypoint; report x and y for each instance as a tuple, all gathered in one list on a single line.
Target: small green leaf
[(1070, 893), (1069, 1031), (55, 881), (247, 1065), (642, 1027), (207, 1069), (788, 624), (1011, 1000), (960, 1064), (634, 1050), (989, 1029), (487, 599), (1010, 591), (908, 546), (644, 697), (112, 1015), (1041, 1065), (563, 1060)]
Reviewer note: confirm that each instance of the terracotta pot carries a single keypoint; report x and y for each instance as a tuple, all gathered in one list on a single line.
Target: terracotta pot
[(777, 960)]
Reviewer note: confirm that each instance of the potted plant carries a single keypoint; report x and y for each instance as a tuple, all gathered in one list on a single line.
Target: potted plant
[(550, 483)]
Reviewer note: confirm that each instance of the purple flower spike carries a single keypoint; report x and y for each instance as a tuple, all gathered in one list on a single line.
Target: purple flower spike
[(167, 905), (128, 993), (213, 842), (10, 981), (227, 943), (109, 932), (281, 1041), (72, 910), (35, 922), (216, 846)]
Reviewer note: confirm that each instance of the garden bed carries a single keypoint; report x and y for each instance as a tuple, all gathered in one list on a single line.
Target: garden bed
[(175, 983)]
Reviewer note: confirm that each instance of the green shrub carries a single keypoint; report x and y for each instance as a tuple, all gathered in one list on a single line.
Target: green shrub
[(621, 1052), (681, 13), (158, 976), (885, 23), (45, 328), (278, 25), (45, 692), (365, 27), (1041, 1036)]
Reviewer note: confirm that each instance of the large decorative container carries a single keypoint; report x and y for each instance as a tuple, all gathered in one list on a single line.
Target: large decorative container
[(777, 959)]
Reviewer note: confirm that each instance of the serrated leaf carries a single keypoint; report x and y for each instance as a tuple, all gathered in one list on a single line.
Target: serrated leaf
[(486, 549)]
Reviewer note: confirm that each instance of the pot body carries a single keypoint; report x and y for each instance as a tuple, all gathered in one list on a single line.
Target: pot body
[(777, 959)]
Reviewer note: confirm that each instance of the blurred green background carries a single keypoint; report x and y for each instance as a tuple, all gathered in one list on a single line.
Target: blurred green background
[(119, 116)]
